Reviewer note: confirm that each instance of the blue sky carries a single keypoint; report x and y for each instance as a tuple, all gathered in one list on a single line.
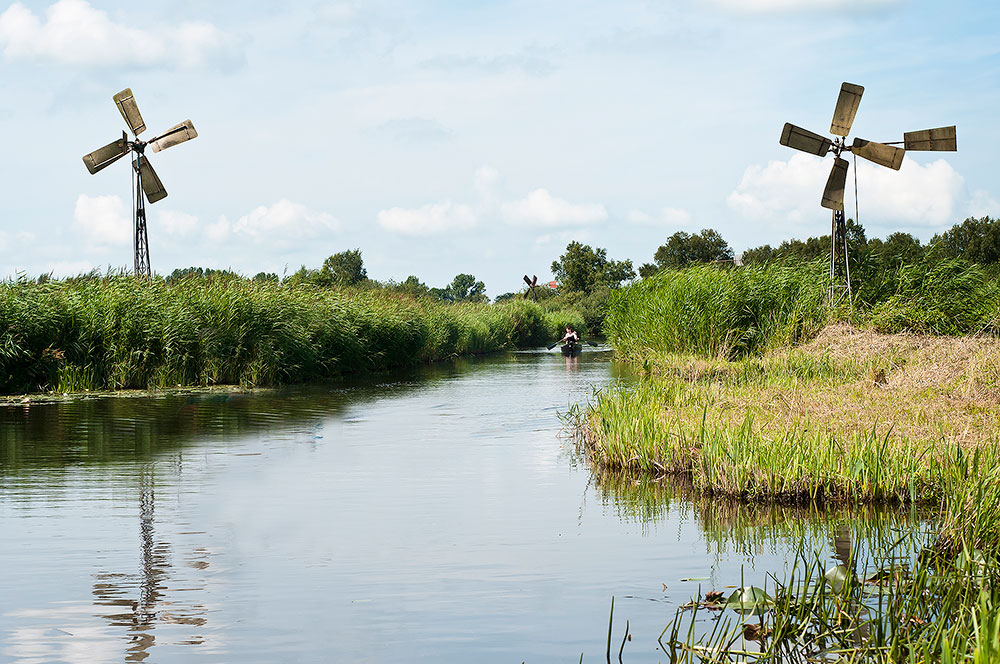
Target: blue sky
[(447, 137)]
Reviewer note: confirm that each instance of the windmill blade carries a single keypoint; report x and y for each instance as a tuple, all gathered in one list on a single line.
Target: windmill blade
[(802, 139), (151, 184), (884, 155), (847, 108), (941, 139), (534, 280), (185, 131), (527, 280), (833, 194), (104, 157), (130, 111)]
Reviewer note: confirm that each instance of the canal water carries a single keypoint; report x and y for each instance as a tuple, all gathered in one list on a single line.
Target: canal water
[(437, 515)]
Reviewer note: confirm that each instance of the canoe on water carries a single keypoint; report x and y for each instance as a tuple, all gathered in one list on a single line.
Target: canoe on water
[(572, 349)]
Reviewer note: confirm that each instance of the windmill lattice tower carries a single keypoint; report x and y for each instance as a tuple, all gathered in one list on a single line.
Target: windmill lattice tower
[(884, 154), (146, 184)]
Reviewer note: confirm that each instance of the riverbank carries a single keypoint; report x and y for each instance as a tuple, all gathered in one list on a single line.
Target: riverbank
[(851, 416), (116, 333)]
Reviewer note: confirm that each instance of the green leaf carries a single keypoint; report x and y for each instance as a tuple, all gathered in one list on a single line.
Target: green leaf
[(749, 599)]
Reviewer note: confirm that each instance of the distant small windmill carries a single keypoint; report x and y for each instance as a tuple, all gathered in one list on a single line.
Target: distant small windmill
[(146, 183), (532, 284), (884, 154)]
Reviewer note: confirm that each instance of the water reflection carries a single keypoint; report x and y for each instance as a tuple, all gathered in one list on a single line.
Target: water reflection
[(434, 515), (752, 529), (140, 602)]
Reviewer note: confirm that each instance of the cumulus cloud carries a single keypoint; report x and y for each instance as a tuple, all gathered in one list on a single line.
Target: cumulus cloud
[(428, 219), (281, 225), (801, 6), (73, 33), (668, 216), (918, 195), (103, 221), (540, 208), (178, 224)]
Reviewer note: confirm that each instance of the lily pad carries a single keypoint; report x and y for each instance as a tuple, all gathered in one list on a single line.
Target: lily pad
[(749, 599), (837, 577)]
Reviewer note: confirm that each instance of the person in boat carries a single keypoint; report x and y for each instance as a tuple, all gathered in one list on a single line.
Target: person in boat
[(572, 339)]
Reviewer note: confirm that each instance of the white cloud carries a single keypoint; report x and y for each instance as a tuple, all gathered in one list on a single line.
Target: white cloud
[(923, 195), (982, 204), (801, 6), (428, 219), (282, 225), (176, 223), (103, 221), (540, 208), (668, 216), (74, 33)]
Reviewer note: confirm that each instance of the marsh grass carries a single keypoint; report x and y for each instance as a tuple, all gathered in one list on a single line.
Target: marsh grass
[(851, 416), (718, 312), (117, 333), (750, 394)]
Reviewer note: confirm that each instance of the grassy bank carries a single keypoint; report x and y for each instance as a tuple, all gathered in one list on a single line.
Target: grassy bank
[(751, 388), (117, 333), (851, 416)]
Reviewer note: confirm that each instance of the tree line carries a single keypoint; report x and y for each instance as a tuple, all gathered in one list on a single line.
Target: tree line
[(587, 276)]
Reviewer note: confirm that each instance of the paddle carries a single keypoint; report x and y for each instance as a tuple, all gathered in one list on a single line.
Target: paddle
[(581, 341)]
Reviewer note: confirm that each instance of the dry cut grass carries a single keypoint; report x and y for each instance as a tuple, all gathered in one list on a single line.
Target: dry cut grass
[(849, 380)]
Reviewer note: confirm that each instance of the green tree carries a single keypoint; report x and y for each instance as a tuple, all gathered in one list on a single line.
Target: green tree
[(344, 268), (583, 269), (682, 249), (897, 249), (975, 240), (413, 286), (465, 288), (811, 248)]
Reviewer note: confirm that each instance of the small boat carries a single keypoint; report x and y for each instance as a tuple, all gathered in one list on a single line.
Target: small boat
[(572, 349)]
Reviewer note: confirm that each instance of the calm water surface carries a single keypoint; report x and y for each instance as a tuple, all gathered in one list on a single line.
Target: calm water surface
[(434, 516)]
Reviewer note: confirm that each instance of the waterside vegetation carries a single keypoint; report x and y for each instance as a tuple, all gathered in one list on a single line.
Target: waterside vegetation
[(751, 388), (114, 332)]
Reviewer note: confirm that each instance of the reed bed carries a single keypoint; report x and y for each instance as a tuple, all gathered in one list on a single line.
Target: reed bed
[(116, 333), (718, 312), (800, 465), (748, 393)]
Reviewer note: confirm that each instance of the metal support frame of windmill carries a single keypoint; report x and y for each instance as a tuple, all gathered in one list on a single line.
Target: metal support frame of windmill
[(884, 154), (145, 183)]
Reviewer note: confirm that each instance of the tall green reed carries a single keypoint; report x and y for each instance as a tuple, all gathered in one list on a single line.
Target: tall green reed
[(718, 312), (115, 332)]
